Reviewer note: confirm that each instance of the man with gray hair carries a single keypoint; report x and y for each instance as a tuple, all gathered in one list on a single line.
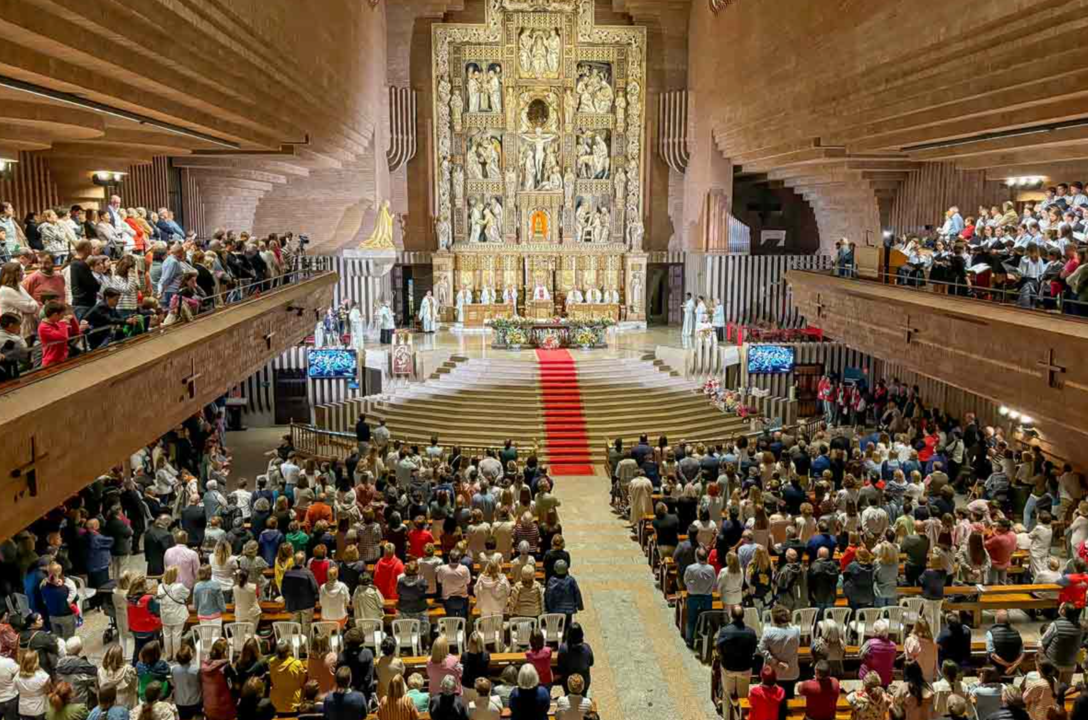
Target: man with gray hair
[(79, 672), (157, 541)]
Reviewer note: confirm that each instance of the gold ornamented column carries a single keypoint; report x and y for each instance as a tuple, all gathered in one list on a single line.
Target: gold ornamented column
[(634, 294)]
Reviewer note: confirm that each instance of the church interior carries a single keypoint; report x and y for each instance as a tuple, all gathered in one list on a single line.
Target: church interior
[(543, 359)]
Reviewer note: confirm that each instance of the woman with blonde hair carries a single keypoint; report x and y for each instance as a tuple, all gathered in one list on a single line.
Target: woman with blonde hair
[(32, 684), (442, 665), (492, 590), (173, 599), (223, 565), (886, 571), (120, 675), (396, 705), (920, 648), (731, 581), (759, 579)]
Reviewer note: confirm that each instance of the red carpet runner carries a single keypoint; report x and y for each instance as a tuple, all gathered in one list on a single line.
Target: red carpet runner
[(565, 435)]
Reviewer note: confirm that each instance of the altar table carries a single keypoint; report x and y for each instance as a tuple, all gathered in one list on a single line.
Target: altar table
[(594, 311), (476, 315)]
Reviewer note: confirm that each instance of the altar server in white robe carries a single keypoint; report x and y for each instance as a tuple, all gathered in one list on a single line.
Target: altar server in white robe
[(541, 294), (389, 324), (718, 320), (319, 335), (612, 296), (689, 317), (464, 297), (574, 298), (358, 329), (593, 296), (701, 315), (510, 297), (428, 313), (487, 296)]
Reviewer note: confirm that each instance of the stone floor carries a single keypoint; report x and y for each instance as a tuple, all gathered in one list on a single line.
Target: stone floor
[(642, 668)]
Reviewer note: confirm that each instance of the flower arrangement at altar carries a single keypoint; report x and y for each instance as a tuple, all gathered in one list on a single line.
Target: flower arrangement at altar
[(585, 337), (712, 388), (551, 342), (516, 336)]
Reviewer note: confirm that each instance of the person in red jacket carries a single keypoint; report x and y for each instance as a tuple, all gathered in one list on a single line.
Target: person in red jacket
[(55, 331), (386, 572), (1001, 545), (418, 537), (768, 698)]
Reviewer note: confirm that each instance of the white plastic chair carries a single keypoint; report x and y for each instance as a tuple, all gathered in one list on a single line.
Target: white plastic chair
[(491, 628), (373, 632), (841, 616), (521, 628), (329, 629), (237, 633), (204, 636), (553, 625), (894, 616), (933, 611), (805, 618), (292, 633), (752, 620), (912, 609), (863, 622), (454, 630), (406, 633)]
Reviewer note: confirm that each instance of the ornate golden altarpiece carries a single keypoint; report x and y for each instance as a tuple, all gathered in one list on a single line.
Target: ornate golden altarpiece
[(539, 152)]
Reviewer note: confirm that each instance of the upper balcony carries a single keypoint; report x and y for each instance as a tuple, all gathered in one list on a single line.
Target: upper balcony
[(65, 425)]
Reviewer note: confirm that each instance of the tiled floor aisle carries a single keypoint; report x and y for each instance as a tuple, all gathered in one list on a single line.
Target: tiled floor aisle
[(643, 670)]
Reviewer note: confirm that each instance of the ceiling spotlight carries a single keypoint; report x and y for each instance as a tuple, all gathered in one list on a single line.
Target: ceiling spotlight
[(1002, 410), (1014, 415), (102, 175), (1025, 420), (1010, 182)]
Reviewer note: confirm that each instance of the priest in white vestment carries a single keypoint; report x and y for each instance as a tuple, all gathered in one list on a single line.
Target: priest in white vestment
[(701, 315), (718, 320), (428, 313), (358, 329), (689, 317), (487, 296), (389, 323), (541, 294), (612, 296), (593, 296), (574, 297), (464, 297), (510, 297)]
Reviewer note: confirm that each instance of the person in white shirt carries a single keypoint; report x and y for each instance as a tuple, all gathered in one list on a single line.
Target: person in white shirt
[(290, 471), (9, 694), (335, 598), (243, 498), (1031, 266), (575, 705), (1070, 490), (486, 706)]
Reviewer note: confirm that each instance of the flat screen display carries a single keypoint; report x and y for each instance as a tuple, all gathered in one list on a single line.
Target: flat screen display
[(770, 359), (333, 364)]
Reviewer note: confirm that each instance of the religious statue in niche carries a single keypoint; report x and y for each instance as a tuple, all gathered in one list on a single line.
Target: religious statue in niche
[(583, 216), (483, 160), (539, 53), (594, 88), (459, 186), (635, 231), (600, 225), (485, 219), (484, 88), (443, 232), (457, 108), (539, 161), (594, 149)]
